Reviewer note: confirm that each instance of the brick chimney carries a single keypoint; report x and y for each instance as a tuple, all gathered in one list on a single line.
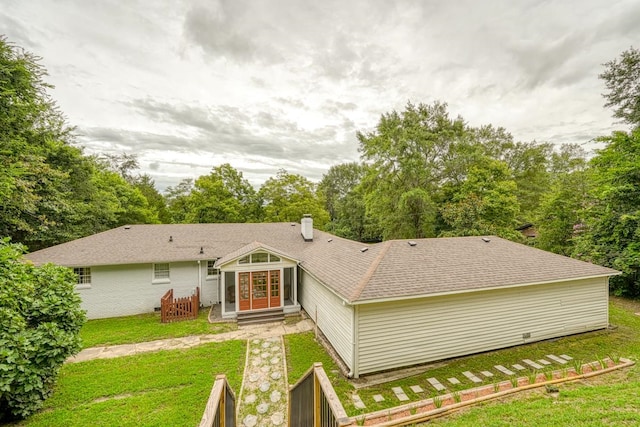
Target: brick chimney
[(307, 227)]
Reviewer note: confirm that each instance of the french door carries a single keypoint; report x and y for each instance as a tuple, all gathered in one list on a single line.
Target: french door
[(259, 290)]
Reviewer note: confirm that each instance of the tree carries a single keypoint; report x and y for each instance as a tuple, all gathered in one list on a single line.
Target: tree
[(34, 188), (612, 218), (406, 154), (289, 196), (485, 204), (222, 196), (178, 201), (341, 190), (156, 202), (40, 321), (622, 79)]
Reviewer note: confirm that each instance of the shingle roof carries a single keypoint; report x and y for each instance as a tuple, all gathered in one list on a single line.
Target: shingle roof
[(355, 271)]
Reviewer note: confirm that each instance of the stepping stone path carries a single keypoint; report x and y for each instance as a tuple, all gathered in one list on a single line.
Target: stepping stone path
[(544, 362), (357, 402), (436, 384), (378, 397), (565, 357), (400, 394), (556, 359), (486, 374), (453, 380), (416, 389), (533, 364), (471, 377), (263, 398), (518, 367), (504, 370)]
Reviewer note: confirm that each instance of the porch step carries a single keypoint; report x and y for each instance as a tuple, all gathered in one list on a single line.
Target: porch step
[(262, 316)]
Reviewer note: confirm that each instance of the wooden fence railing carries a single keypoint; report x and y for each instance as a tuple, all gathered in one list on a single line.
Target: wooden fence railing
[(221, 406), (185, 308), (314, 403)]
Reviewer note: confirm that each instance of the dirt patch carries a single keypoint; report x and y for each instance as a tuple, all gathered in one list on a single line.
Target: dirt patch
[(116, 397), (630, 305)]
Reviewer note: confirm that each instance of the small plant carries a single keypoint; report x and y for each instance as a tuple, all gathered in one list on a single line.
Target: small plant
[(412, 410), (564, 372), (532, 377), (514, 382), (552, 388), (577, 365), (437, 402), (603, 363), (496, 387), (456, 396), (615, 357), (360, 420), (548, 375)]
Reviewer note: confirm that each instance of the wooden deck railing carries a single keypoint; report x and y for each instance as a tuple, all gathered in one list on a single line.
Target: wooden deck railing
[(314, 403), (221, 406), (185, 308)]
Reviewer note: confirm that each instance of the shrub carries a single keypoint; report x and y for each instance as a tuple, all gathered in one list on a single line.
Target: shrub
[(40, 321)]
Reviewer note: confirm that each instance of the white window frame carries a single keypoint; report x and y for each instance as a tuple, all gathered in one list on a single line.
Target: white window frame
[(161, 274), (84, 277), (211, 270)]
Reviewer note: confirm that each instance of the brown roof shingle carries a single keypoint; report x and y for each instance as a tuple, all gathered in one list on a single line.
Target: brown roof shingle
[(392, 269)]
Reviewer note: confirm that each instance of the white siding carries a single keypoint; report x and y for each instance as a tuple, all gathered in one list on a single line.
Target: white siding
[(411, 332), (333, 318), (123, 290)]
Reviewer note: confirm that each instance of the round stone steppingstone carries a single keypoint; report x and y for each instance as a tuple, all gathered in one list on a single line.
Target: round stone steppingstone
[(256, 342), (265, 355), (265, 386), (266, 344), (275, 360), (255, 351), (265, 368), (262, 408), (277, 418), (275, 396), (276, 375), (250, 398), (256, 362), (254, 377), (250, 420)]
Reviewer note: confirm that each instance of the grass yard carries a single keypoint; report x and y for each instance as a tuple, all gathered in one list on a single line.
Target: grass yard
[(165, 388), (146, 327), (623, 341)]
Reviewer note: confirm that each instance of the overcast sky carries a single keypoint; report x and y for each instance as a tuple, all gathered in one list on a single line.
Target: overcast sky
[(263, 85)]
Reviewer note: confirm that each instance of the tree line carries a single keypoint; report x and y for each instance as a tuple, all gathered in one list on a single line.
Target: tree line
[(422, 173)]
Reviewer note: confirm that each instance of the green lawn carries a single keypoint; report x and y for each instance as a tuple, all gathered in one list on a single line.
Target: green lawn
[(623, 341), (165, 388), (146, 327)]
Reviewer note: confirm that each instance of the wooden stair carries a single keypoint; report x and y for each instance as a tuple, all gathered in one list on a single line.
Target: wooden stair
[(262, 316)]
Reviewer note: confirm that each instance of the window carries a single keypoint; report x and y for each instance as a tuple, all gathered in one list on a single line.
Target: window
[(84, 276), (258, 258), (211, 270), (161, 271)]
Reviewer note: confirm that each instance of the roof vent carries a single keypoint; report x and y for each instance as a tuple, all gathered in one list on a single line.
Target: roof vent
[(412, 242), (201, 250), (127, 227), (171, 238), (486, 239), (364, 249)]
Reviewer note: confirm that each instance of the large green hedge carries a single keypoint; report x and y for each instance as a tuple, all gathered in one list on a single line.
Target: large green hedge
[(40, 321)]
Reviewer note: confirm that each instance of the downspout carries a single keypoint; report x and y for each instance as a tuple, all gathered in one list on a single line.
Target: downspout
[(354, 337), (199, 276)]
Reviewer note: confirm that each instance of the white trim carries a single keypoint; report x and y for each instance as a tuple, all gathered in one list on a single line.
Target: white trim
[(83, 286)]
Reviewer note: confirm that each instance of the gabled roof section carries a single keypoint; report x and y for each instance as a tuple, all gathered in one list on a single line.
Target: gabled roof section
[(462, 264), (149, 243), (251, 248), (356, 272)]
